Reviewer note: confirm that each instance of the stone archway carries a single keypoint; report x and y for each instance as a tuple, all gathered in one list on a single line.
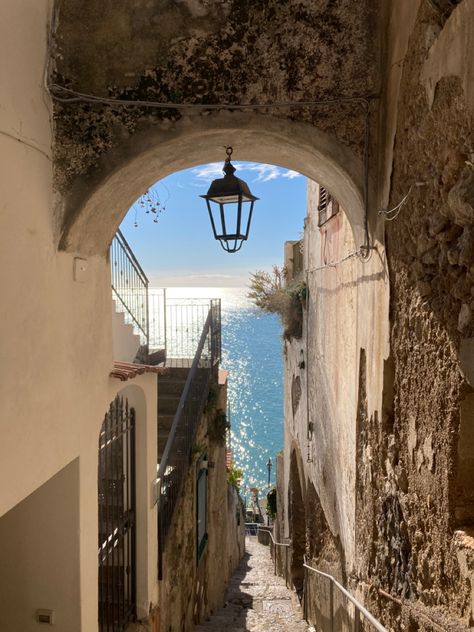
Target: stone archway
[(96, 203), (297, 524)]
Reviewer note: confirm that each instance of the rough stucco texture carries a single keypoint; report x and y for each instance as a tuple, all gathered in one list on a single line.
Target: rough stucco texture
[(407, 478), (198, 51)]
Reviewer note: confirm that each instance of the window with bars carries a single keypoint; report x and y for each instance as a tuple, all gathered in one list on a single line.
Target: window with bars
[(327, 206)]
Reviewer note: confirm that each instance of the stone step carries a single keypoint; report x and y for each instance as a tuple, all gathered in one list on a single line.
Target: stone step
[(167, 404), (175, 373), (223, 621), (164, 423), (170, 387), (225, 628), (256, 599)]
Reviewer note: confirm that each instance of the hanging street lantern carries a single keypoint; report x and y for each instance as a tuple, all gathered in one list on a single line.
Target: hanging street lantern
[(230, 206)]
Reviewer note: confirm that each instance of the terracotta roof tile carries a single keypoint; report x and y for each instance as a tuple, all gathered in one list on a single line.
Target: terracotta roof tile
[(128, 370)]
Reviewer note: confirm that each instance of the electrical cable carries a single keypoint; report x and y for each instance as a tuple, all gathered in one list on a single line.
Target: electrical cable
[(333, 264), (55, 90), (67, 95), (387, 213)]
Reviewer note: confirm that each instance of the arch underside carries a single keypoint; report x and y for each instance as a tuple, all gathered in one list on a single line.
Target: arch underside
[(96, 203)]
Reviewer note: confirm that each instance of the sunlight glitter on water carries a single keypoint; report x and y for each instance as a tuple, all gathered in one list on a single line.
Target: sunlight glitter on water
[(252, 353)]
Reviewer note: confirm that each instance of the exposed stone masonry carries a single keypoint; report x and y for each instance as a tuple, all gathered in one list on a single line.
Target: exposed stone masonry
[(233, 51)]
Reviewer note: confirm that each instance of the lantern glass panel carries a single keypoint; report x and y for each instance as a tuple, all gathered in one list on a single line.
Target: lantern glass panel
[(230, 206)]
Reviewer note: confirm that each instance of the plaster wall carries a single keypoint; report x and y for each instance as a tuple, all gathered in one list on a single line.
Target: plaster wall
[(125, 342), (141, 395), (56, 343), (55, 347), (39, 556), (347, 310)]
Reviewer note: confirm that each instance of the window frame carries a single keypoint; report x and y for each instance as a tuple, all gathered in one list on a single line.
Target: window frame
[(327, 206)]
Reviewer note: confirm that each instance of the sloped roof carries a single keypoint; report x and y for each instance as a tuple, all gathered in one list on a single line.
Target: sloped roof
[(128, 370)]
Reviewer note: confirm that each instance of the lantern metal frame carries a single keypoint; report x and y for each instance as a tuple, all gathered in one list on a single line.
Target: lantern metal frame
[(229, 190)]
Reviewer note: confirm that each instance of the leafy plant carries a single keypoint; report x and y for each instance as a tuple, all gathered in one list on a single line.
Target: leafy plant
[(272, 503), (198, 448), (212, 398), (268, 293), (217, 427), (234, 476)]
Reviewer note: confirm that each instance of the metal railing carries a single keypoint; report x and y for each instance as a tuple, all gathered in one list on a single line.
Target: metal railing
[(358, 608), (177, 454), (185, 320), (157, 314), (273, 551), (332, 622), (129, 286), (176, 324)]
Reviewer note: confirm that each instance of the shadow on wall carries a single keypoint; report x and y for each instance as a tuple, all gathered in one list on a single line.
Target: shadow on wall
[(39, 556), (323, 551), (297, 524)]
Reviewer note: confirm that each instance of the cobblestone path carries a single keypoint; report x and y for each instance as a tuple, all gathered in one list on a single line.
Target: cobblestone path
[(256, 599)]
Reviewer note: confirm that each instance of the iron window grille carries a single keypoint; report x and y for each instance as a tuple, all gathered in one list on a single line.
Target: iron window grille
[(116, 491)]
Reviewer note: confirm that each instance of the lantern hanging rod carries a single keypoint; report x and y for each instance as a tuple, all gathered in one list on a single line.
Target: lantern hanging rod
[(68, 95)]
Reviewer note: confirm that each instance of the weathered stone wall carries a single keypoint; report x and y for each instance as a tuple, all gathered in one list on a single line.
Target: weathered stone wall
[(200, 52), (408, 407), (205, 52), (190, 590), (415, 487), (346, 310)]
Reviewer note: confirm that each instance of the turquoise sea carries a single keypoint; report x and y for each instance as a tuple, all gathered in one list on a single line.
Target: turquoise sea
[(252, 353)]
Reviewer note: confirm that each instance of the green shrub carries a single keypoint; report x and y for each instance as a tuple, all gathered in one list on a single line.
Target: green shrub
[(212, 398), (272, 503), (217, 427), (234, 476), (268, 293)]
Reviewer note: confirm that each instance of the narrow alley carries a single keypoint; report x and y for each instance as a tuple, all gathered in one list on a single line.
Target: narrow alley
[(256, 599)]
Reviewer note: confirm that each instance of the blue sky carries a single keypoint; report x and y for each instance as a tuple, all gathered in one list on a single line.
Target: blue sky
[(178, 249)]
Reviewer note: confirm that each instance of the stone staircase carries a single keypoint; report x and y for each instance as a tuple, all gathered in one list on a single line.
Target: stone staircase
[(256, 599), (170, 389), (126, 342)]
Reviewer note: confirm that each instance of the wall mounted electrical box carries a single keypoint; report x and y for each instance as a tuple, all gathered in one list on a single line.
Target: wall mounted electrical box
[(45, 616)]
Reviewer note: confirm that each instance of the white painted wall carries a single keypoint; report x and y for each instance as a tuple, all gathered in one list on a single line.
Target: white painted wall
[(142, 396), (348, 310), (55, 356), (39, 556), (125, 342), (55, 347)]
